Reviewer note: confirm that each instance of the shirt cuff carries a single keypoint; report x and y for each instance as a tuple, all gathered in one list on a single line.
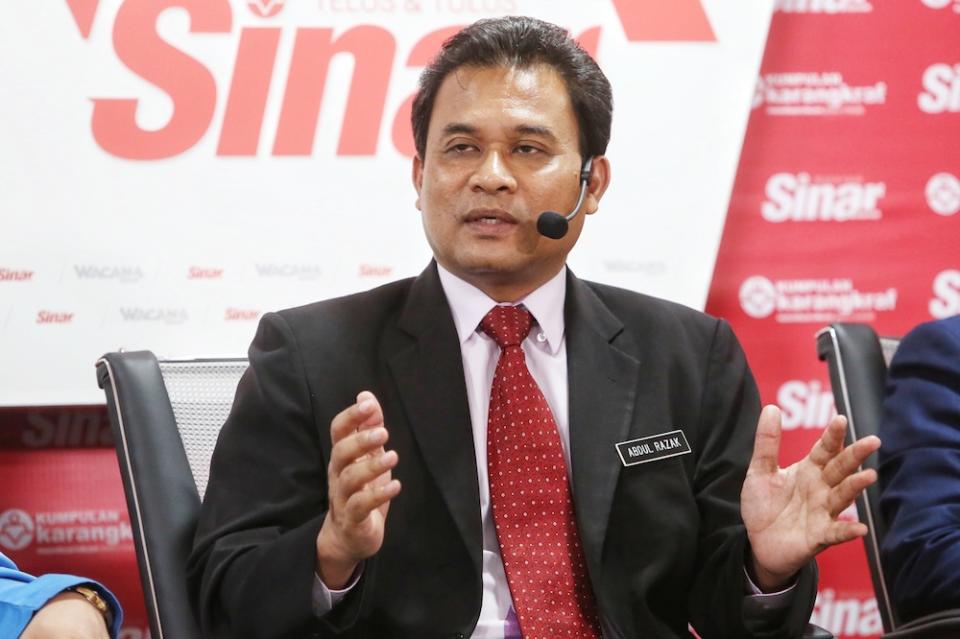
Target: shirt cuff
[(779, 599), (324, 599)]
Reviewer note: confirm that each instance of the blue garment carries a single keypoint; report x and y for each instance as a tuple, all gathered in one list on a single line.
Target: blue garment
[(920, 470), (21, 595)]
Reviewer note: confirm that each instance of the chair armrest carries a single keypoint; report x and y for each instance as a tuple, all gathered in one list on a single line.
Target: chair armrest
[(816, 632), (939, 625)]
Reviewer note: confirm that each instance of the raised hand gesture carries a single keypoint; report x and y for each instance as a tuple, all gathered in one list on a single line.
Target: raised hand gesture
[(791, 514)]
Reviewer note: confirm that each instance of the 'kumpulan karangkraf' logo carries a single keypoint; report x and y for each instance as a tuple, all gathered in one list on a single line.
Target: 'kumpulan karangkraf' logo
[(824, 93), (80, 531), (813, 300)]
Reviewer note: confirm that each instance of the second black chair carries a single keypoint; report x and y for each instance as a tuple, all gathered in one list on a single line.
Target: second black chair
[(858, 359)]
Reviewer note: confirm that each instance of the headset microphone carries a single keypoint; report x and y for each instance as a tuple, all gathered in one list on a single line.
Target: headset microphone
[(554, 225)]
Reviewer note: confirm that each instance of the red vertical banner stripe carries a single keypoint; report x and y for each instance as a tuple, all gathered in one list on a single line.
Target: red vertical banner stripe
[(846, 207)]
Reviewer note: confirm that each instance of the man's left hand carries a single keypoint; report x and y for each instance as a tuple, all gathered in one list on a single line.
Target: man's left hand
[(791, 514)]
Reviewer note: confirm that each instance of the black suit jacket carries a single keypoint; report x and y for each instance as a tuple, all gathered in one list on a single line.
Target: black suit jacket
[(663, 540)]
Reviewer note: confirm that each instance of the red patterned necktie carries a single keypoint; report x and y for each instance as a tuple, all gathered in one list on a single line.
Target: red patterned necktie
[(532, 508)]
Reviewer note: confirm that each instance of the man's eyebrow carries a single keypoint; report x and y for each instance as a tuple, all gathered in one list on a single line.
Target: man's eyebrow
[(531, 129), (458, 127)]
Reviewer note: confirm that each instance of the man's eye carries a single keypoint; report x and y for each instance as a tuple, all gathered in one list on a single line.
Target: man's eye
[(527, 149), (461, 148)]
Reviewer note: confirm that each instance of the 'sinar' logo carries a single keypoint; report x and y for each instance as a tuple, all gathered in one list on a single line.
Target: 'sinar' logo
[(941, 83), (802, 198), (946, 291), (190, 84)]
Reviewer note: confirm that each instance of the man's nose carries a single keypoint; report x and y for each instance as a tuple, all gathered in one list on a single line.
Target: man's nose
[(493, 175)]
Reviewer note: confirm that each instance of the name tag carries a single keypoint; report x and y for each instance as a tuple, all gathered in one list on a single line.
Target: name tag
[(648, 449)]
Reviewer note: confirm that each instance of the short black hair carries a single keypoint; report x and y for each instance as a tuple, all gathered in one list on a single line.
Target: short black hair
[(520, 41)]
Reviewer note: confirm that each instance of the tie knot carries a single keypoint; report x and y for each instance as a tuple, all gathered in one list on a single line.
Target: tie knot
[(507, 325)]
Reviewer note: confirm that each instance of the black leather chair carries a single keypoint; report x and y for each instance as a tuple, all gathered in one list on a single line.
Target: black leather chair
[(165, 416), (857, 360)]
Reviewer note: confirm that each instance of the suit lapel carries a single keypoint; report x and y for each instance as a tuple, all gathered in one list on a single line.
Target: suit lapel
[(429, 374), (602, 383)]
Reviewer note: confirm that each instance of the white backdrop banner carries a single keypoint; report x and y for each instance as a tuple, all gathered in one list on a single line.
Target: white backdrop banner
[(172, 169)]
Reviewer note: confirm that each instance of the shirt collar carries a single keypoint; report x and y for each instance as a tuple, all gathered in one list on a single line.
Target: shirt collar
[(469, 304)]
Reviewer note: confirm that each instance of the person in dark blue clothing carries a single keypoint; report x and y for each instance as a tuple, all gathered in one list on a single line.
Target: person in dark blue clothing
[(55, 605), (920, 470)]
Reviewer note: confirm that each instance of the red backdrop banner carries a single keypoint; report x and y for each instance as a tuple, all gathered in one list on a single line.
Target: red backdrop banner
[(845, 208)]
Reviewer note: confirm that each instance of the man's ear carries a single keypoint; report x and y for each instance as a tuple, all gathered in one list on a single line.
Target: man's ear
[(597, 184), (417, 177)]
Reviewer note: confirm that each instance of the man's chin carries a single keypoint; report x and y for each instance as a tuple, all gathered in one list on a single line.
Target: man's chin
[(489, 266)]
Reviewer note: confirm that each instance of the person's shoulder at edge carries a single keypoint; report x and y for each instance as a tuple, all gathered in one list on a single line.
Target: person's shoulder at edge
[(934, 330)]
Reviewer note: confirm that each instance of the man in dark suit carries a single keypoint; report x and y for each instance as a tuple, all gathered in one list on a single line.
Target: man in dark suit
[(650, 411), (920, 470)]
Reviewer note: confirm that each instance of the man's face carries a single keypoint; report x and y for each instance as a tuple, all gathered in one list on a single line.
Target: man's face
[(502, 147)]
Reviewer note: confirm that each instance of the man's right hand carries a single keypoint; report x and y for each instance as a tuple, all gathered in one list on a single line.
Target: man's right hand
[(360, 490)]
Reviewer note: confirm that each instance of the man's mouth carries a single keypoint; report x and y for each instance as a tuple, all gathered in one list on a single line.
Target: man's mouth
[(489, 217)]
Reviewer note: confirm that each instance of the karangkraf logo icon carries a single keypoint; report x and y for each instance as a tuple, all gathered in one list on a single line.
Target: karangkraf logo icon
[(758, 297), (265, 8), (943, 194), (16, 529)]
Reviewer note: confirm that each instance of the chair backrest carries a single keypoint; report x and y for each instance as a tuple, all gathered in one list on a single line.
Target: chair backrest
[(165, 416), (858, 359)]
